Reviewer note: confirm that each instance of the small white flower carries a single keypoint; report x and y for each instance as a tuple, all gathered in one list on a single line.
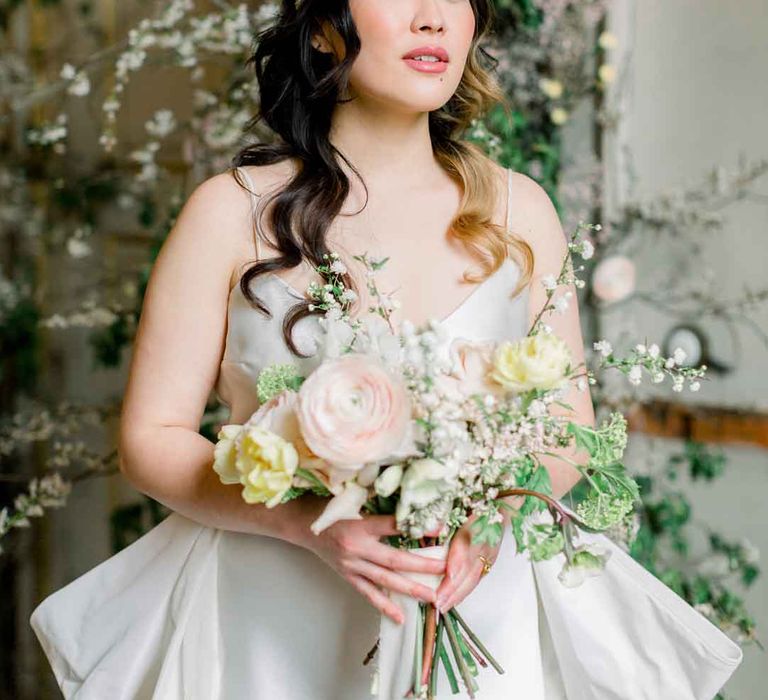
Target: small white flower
[(78, 248), (657, 377), (653, 350), (603, 347), (587, 249), (670, 363), (640, 349), (679, 355), (678, 384), (635, 375), (549, 282), (581, 384), (68, 71), (695, 386), (80, 86), (338, 267), (561, 305)]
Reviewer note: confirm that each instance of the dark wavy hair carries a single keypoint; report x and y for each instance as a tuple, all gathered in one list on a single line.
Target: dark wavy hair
[(299, 88)]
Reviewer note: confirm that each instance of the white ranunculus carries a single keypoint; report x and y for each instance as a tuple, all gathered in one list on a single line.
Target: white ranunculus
[(585, 562), (388, 481), (377, 338), (344, 506), (337, 336), (425, 481)]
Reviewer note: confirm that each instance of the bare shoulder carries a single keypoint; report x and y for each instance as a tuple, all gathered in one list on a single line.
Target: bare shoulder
[(535, 219), (216, 220)]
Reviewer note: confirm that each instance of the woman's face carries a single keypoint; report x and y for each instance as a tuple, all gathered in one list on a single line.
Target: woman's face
[(389, 30)]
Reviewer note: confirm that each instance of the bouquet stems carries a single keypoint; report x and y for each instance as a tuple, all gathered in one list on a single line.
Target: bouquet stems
[(465, 647)]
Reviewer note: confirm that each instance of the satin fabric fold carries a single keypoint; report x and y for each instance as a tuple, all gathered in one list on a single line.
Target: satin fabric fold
[(154, 622)]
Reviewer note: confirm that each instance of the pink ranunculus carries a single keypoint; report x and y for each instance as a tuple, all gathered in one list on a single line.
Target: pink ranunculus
[(471, 362), (278, 415), (353, 410)]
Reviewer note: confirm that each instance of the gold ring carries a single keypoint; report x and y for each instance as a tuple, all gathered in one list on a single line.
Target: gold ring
[(487, 564)]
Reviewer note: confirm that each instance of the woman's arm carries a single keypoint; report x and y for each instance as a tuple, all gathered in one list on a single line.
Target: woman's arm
[(175, 364), (535, 219)]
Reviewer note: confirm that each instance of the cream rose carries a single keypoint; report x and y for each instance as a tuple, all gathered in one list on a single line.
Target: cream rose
[(352, 410), (534, 362), (264, 453), (266, 463), (225, 452)]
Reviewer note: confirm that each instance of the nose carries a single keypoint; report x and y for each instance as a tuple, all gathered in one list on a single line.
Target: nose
[(428, 17)]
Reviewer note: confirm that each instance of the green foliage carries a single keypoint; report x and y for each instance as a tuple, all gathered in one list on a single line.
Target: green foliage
[(20, 341), (486, 532), (275, 379), (543, 540), (665, 544)]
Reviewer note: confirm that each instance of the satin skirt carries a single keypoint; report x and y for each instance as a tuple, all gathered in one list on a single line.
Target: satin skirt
[(188, 612)]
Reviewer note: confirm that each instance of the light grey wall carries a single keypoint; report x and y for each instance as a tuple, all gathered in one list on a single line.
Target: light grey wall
[(694, 96)]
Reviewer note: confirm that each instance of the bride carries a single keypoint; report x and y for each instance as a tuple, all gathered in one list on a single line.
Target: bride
[(227, 600)]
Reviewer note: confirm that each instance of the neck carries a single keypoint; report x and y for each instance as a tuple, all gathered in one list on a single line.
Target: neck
[(389, 149)]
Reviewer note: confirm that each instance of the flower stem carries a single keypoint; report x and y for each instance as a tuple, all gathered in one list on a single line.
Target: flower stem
[(436, 656), (479, 644), (447, 662), (459, 658), (418, 651), (429, 643)]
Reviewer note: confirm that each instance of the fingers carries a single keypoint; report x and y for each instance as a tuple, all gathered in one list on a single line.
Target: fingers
[(377, 598), (456, 571), (393, 581), (402, 559), (462, 588), (456, 563), (381, 525)]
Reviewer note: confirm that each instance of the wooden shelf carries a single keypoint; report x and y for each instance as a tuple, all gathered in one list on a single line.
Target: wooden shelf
[(702, 423)]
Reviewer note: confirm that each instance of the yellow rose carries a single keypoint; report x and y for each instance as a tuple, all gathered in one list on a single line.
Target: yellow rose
[(224, 454), (534, 362), (266, 463)]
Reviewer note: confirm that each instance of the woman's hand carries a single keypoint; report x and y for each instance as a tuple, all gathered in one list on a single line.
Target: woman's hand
[(464, 567), (353, 548)]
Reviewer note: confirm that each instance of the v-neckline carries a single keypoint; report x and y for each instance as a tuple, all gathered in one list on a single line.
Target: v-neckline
[(443, 320)]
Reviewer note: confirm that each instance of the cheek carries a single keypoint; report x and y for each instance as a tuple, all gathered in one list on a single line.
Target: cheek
[(380, 29), (465, 26), (378, 25)]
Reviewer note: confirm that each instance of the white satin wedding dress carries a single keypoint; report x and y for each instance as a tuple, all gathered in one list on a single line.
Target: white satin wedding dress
[(188, 612)]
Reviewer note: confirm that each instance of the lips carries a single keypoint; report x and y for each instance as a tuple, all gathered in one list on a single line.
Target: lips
[(436, 51)]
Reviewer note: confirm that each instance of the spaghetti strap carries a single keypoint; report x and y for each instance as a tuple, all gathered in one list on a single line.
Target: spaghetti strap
[(252, 196), (509, 199)]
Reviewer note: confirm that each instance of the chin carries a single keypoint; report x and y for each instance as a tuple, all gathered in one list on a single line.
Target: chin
[(421, 100)]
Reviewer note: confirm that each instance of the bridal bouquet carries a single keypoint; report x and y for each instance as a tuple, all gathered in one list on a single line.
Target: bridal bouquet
[(438, 430)]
